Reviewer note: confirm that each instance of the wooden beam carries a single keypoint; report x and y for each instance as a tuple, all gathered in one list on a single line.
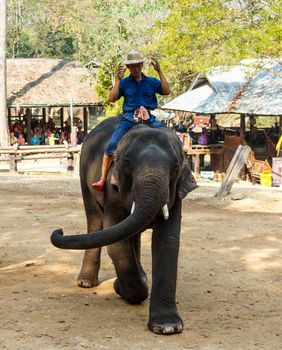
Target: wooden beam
[(85, 120), (9, 118), (238, 161), (62, 118), (197, 166), (242, 128), (44, 118), (28, 129)]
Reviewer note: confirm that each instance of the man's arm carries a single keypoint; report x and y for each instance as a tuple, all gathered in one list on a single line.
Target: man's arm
[(164, 83), (113, 95)]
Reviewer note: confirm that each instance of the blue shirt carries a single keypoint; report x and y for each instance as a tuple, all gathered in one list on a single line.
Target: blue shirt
[(138, 93)]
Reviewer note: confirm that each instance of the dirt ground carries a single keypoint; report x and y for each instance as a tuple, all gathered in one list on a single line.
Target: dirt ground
[(229, 280)]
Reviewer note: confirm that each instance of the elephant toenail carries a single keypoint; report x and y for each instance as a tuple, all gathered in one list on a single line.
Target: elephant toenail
[(168, 330)]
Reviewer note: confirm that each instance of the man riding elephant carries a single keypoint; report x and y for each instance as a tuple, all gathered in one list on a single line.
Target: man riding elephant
[(139, 92)]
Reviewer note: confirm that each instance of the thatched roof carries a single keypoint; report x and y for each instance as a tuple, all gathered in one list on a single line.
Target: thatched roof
[(39, 82)]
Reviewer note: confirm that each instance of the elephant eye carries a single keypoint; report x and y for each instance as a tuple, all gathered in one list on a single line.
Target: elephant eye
[(126, 161), (175, 170)]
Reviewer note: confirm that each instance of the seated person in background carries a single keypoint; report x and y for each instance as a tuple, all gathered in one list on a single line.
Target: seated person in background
[(13, 139), (21, 140), (67, 127), (44, 140), (191, 133), (57, 135), (276, 128), (51, 124), (203, 139), (62, 139), (181, 127), (80, 135), (35, 140), (51, 139)]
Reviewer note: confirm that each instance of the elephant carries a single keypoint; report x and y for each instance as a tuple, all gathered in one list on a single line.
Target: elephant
[(152, 179)]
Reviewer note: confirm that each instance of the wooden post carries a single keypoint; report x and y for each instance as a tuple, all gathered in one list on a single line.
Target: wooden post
[(73, 128), (280, 125), (4, 135), (62, 118), (44, 118), (197, 165), (242, 128), (28, 129), (213, 129), (9, 118), (234, 168), (70, 162), (13, 163), (85, 120)]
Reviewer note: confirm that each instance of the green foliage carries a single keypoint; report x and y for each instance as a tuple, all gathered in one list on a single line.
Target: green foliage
[(199, 34), (187, 36)]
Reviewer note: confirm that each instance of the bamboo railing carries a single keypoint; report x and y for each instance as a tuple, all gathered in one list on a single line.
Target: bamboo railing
[(15, 154)]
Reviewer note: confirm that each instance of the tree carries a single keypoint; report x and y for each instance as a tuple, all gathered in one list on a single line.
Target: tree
[(119, 27), (83, 30), (40, 29), (199, 34), (4, 138)]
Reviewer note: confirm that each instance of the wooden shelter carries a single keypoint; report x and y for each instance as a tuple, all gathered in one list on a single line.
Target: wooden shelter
[(252, 89), (41, 84)]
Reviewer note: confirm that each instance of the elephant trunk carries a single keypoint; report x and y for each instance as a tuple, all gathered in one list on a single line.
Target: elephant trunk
[(147, 204)]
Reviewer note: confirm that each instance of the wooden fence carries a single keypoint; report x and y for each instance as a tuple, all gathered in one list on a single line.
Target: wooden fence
[(15, 154)]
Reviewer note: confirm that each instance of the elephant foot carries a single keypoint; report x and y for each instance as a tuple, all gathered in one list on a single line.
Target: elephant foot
[(116, 287), (86, 281), (166, 324), (133, 295), (166, 328)]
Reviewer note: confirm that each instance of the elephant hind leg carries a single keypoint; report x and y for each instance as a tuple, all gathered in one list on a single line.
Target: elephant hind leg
[(88, 276)]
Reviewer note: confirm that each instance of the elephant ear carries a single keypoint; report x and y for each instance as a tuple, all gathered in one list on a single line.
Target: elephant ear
[(186, 182)]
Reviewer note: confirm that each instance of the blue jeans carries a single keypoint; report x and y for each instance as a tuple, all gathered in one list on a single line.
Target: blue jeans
[(124, 126)]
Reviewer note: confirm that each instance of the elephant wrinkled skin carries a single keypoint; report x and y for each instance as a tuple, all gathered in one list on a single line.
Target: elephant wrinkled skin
[(152, 173)]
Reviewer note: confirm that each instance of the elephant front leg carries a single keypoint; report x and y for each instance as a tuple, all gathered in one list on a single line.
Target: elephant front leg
[(88, 276), (163, 317)]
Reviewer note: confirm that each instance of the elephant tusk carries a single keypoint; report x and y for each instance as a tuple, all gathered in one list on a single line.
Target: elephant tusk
[(165, 212), (132, 208)]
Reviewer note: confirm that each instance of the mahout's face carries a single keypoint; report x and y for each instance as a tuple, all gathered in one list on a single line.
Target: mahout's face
[(135, 69)]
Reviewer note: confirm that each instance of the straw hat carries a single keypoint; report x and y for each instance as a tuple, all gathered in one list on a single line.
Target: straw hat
[(134, 57)]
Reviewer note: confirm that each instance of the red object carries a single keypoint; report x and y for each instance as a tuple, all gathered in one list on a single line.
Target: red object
[(99, 186), (201, 120)]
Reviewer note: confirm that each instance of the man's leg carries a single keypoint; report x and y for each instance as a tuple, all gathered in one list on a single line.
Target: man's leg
[(122, 129), (156, 124), (106, 163)]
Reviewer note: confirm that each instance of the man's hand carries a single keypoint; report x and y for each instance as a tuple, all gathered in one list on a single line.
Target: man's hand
[(155, 64), (121, 70), (164, 83)]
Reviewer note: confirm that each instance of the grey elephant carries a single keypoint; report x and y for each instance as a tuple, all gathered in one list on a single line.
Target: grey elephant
[(153, 178)]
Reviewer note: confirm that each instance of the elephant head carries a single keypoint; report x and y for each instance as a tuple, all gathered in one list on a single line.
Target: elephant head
[(152, 174)]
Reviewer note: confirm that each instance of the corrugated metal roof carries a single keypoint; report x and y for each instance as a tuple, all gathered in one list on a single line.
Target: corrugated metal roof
[(239, 89)]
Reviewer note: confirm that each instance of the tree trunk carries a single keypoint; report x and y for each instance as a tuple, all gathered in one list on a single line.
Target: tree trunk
[(4, 135)]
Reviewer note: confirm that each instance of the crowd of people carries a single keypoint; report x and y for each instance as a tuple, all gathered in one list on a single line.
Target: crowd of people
[(50, 134), (43, 133), (201, 135)]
